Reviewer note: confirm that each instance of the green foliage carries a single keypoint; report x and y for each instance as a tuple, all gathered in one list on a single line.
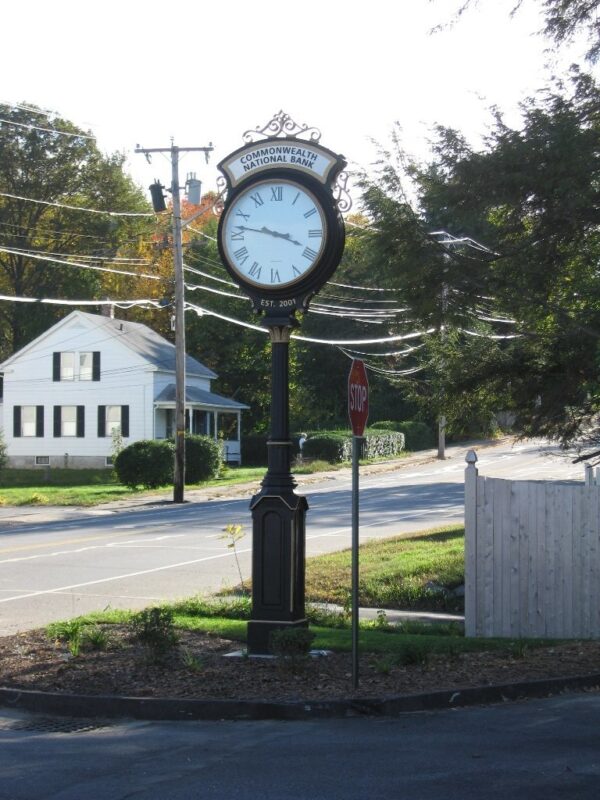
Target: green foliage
[(155, 629), (233, 533), (68, 170), (3, 454), (78, 633), (202, 458), (382, 445), (291, 645), (417, 572), (238, 608), (417, 435), (147, 463), (328, 447)]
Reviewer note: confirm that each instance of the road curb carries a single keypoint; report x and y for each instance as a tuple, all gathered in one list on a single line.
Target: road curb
[(170, 709)]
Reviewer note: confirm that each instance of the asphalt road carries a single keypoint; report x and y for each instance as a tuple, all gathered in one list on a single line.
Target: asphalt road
[(538, 750), (57, 563)]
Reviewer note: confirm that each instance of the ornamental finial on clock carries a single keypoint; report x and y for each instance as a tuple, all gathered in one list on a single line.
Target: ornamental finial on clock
[(284, 126)]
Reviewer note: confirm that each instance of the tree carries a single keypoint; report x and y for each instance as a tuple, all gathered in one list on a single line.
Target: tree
[(532, 195), (46, 164)]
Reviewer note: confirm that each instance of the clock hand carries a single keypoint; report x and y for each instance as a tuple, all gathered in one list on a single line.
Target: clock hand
[(264, 229), (285, 236)]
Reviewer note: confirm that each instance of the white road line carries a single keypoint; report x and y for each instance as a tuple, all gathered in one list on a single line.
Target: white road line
[(119, 577)]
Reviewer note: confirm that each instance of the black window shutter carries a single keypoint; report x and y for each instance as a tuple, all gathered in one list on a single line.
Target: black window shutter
[(55, 366), (57, 420), (16, 420), (124, 420), (39, 421), (80, 421), (101, 420), (96, 365)]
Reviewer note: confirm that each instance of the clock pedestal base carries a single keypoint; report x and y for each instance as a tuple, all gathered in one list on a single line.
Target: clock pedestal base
[(278, 518)]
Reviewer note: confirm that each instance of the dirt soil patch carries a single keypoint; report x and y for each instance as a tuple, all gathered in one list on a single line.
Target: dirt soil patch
[(197, 668)]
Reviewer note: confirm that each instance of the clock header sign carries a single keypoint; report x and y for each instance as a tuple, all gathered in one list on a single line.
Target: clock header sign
[(281, 233)]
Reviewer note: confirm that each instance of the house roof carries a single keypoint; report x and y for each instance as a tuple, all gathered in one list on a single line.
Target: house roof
[(201, 396), (148, 344)]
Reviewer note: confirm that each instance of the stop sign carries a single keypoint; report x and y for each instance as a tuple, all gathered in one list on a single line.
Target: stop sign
[(358, 397)]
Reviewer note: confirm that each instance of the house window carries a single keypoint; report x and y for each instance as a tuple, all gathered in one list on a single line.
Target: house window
[(86, 366), (69, 421), (67, 366), (28, 421), (113, 419), (42, 461), (70, 366), (109, 461)]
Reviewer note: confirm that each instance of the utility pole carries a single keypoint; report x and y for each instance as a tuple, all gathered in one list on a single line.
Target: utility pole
[(179, 464), (441, 453)]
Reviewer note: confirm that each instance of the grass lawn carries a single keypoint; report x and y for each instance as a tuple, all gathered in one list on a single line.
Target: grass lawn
[(230, 622), (88, 487), (401, 572)]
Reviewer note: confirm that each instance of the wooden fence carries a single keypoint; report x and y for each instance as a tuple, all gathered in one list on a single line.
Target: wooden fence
[(532, 557)]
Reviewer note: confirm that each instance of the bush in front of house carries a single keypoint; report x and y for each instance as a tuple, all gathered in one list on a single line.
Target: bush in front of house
[(417, 435), (3, 455), (325, 446), (382, 444), (147, 463), (202, 458)]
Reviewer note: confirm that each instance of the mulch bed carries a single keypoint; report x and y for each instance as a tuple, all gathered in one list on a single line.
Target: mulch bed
[(197, 668)]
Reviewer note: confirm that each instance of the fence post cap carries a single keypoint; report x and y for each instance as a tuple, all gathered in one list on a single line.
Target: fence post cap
[(471, 457)]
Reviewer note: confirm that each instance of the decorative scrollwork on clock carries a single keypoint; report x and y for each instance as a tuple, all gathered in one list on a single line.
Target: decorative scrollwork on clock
[(282, 125), (341, 194), (219, 203)]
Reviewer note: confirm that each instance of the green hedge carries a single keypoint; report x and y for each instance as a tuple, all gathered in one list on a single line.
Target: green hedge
[(147, 463), (202, 458), (418, 435), (336, 446)]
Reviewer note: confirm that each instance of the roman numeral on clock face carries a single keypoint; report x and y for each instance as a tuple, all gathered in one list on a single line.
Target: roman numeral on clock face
[(310, 212), (237, 236), (315, 233), (255, 271), (241, 254), (277, 193), (309, 253), (239, 213), (275, 276), (258, 201)]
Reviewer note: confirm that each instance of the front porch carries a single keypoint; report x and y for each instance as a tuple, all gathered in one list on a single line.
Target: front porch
[(206, 414)]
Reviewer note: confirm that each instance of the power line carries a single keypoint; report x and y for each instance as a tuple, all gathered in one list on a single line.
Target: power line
[(79, 208), (47, 130)]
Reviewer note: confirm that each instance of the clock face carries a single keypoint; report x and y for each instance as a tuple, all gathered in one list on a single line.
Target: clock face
[(274, 233)]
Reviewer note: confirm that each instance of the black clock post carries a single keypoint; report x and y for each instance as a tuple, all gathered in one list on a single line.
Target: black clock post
[(280, 237), (278, 514)]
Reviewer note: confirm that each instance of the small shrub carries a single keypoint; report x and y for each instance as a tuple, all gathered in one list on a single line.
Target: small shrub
[(233, 533), (94, 637), (291, 645), (202, 459), (37, 499), (3, 453), (192, 662), (329, 447), (147, 463), (414, 653), (155, 629), (417, 435)]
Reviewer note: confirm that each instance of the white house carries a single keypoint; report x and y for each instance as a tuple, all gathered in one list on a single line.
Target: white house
[(67, 391)]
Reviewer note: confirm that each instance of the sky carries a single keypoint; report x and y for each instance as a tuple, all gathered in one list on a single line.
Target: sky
[(197, 73)]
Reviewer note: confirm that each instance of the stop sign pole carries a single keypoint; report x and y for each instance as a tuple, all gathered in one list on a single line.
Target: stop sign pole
[(358, 411)]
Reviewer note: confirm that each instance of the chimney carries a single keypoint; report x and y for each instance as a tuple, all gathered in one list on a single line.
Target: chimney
[(108, 311)]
